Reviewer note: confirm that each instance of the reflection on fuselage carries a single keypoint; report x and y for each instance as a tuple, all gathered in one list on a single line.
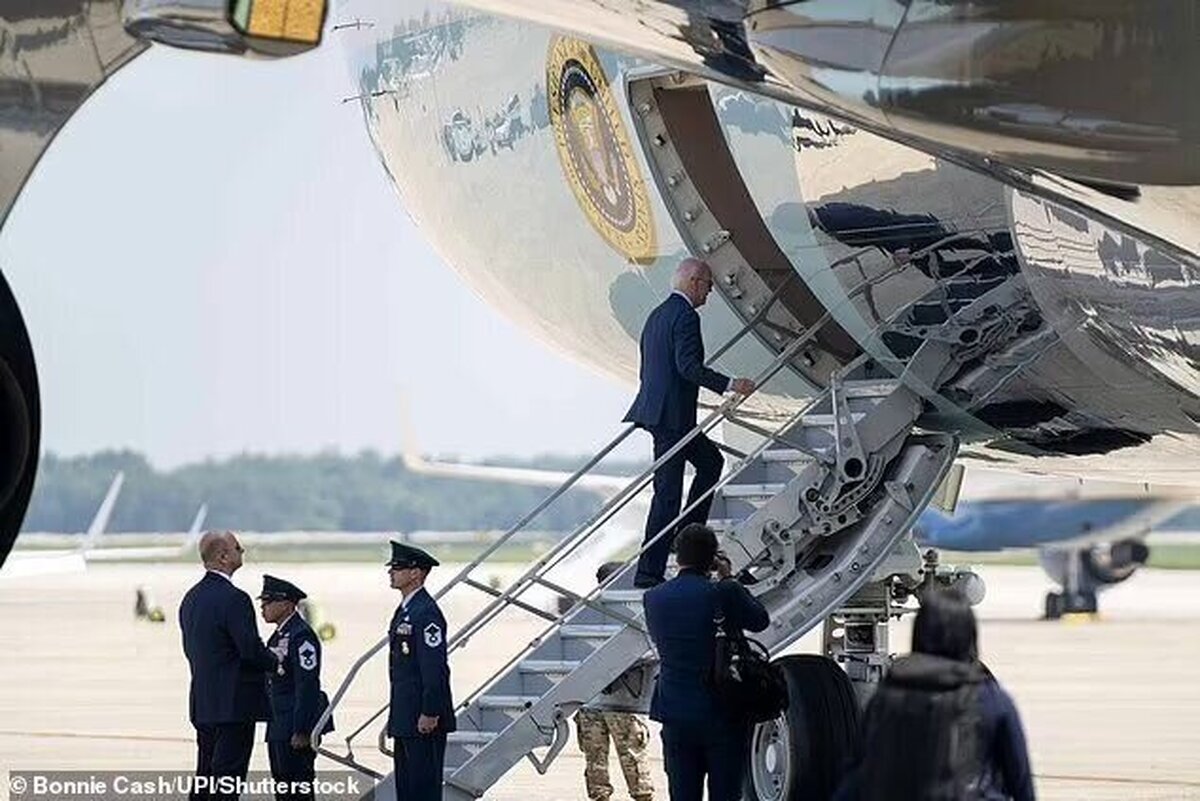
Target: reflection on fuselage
[(456, 104)]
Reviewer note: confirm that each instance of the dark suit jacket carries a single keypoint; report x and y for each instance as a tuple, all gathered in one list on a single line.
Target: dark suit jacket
[(227, 658), (679, 616), (672, 369), (295, 684), (419, 667)]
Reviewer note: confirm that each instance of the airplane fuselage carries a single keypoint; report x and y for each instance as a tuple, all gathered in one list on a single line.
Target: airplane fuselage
[(517, 152)]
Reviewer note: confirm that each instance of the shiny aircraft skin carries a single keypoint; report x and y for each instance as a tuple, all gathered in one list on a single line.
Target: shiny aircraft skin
[(513, 144), (1092, 364), (53, 55)]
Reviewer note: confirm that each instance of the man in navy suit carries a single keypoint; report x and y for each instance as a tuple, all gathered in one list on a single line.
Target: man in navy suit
[(294, 690), (421, 712), (672, 372), (228, 662), (698, 737)]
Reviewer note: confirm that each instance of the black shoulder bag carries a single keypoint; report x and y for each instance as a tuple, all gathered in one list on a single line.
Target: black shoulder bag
[(747, 685)]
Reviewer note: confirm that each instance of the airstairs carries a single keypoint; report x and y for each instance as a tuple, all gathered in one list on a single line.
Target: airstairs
[(815, 516)]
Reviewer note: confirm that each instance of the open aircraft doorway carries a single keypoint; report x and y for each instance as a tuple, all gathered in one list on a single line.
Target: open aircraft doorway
[(699, 182)]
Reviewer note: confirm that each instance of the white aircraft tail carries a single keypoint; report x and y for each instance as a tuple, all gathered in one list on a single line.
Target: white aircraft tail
[(99, 523), (193, 532)]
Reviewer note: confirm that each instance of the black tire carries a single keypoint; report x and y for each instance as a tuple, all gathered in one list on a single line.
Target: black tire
[(816, 737), (1054, 606)]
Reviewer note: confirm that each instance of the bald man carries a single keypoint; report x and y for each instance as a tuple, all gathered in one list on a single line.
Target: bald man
[(672, 373), (228, 662)]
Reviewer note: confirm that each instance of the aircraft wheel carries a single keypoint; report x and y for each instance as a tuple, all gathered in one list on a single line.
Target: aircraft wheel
[(803, 753), (1054, 606)]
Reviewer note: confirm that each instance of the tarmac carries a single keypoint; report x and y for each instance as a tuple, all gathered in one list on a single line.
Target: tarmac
[(1111, 706)]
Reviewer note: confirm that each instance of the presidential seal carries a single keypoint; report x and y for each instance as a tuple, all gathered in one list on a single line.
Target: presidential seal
[(594, 149)]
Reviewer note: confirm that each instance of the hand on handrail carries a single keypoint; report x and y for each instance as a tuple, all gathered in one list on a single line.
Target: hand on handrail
[(743, 386)]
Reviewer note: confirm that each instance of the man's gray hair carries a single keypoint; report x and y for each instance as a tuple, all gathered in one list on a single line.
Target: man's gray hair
[(688, 269), (213, 544)]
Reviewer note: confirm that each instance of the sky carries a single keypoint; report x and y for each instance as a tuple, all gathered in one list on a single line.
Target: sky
[(211, 260)]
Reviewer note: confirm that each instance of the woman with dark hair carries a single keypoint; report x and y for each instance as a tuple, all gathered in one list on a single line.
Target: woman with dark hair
[(939, 727)]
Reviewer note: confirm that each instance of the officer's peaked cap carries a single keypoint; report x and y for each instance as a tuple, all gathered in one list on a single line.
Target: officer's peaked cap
[(276, 589), (408, 556)]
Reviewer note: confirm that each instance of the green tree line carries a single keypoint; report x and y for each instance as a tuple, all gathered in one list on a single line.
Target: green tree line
[(324, 492)]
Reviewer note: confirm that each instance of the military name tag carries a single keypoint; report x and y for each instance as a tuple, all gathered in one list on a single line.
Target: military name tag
[(404, 629)]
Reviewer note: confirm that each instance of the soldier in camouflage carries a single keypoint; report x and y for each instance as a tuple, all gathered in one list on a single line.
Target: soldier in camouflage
[(629, 735)]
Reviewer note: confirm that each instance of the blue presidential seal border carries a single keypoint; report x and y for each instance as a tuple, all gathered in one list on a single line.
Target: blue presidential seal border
[(594, 149)]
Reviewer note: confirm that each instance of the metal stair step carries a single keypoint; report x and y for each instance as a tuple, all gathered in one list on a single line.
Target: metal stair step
[(596, 631), (827, 420), (549, 666), (513, 702), (622, 596), (870, 389), (752, 490), (785, 455), (472, 737)]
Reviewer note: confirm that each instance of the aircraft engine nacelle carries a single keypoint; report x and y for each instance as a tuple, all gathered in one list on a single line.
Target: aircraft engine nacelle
[(272, 28), (1095, 566), (20, 419), (1115, 562)]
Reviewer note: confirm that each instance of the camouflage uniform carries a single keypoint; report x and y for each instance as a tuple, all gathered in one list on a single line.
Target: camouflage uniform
[(630, 737)]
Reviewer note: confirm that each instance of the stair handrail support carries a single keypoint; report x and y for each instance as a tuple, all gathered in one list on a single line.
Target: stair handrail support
[(721, 412), (569, 544)]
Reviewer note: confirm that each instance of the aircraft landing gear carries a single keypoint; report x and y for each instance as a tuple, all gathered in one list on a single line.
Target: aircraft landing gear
[(802, 753), (1067, 603)]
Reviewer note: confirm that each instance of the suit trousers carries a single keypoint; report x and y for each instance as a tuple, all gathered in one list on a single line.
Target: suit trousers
[(706, 458), (418, 765), (291, 765), (693, 752), (222, 749)]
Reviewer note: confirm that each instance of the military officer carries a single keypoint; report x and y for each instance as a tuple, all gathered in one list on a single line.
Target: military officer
[(294, 691), (422, 712)]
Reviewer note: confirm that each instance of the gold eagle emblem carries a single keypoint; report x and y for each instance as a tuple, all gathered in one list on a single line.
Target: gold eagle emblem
[(595, 151)]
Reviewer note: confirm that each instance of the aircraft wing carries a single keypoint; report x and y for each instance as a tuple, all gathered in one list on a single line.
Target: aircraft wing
[(606, 485), (532, 477), (25, 564), (617, 537)]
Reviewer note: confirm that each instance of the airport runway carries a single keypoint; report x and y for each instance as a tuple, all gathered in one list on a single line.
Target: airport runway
[(1111, 708)]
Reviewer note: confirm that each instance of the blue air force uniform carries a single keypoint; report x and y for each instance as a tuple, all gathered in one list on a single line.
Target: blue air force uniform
[(228, 662), (420, 679), (294, 689)]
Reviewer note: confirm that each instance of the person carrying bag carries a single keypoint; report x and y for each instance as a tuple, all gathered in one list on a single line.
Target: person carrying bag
[(702, 745), (751, 689)]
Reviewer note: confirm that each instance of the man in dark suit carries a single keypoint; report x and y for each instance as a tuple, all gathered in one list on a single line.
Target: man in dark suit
[(228, 662), (698, 737), (421, 712), (672, 372), (295, 691)]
